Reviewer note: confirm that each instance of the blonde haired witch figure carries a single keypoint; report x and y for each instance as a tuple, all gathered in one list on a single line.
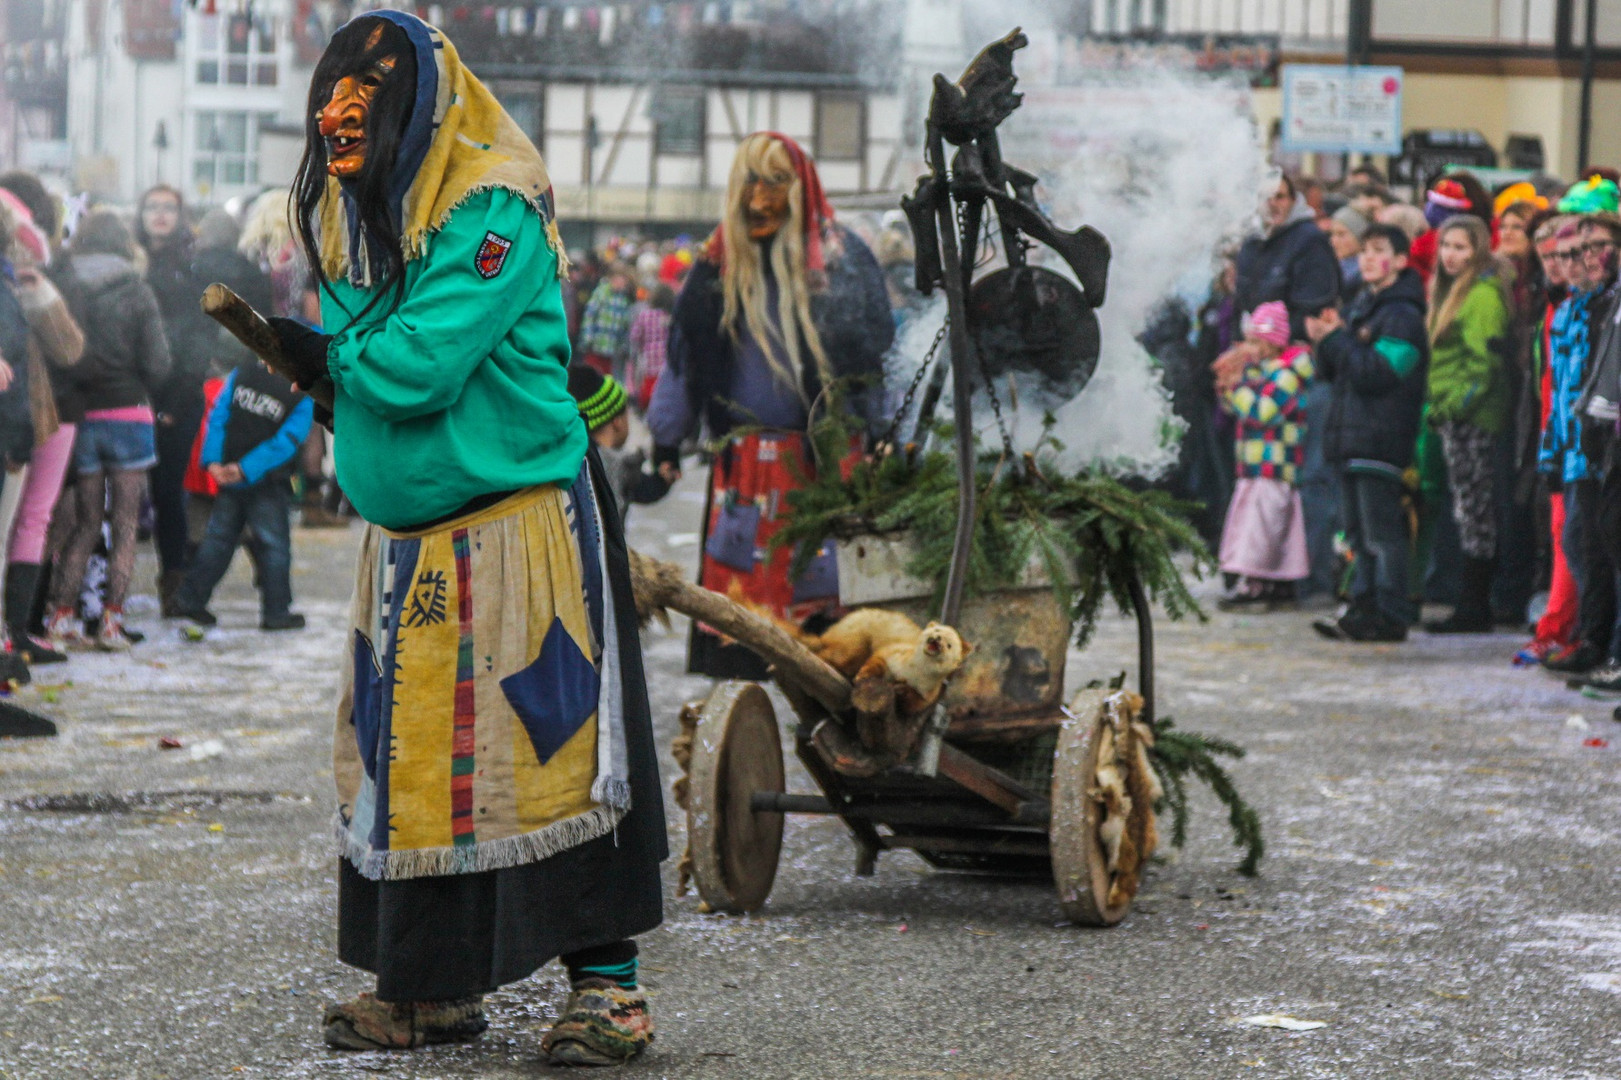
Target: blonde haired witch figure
[(783, 302), (498, 801)]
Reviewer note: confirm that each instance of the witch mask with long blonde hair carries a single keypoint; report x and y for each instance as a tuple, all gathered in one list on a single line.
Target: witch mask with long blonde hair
[(764, 226)]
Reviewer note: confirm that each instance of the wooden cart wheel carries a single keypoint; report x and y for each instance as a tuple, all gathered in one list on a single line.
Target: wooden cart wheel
[(736, 751), (1099, 733)]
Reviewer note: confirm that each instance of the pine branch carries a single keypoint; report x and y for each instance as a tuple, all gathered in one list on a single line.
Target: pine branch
[(1174, 755)]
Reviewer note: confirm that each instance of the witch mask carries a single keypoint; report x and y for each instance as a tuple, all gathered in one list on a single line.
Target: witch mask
[(365, 81), (765, 205)]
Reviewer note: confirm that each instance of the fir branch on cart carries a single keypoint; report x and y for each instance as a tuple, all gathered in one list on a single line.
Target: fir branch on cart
[(1091, 531)]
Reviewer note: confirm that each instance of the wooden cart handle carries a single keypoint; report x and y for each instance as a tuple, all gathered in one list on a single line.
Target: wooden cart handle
[(250, 328)]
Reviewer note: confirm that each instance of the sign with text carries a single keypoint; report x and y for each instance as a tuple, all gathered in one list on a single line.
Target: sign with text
[(1341, 109)]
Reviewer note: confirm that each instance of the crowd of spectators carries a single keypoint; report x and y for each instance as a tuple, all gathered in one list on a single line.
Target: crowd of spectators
[(124, 410), (1395, 402)]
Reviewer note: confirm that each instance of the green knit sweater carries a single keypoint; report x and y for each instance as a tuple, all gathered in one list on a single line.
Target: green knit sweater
[(462, 390), (1468, 381)]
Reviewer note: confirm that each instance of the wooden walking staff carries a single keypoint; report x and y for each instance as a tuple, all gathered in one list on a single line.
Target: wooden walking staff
[(250, 328)]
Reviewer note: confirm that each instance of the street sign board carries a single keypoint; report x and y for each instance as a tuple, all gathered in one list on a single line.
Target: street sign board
[(1341, 109)]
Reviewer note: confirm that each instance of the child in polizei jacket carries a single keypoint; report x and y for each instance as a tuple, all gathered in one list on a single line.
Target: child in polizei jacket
[(1263, 545), (250, 438)]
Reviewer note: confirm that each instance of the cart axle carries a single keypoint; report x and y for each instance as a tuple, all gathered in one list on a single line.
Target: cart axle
[(1033, 814)]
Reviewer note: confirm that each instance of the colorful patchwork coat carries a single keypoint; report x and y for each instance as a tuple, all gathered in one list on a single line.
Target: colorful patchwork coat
[(1270, 410)]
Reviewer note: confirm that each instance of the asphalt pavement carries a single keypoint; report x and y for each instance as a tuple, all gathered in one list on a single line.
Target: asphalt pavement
[(1439, 892)]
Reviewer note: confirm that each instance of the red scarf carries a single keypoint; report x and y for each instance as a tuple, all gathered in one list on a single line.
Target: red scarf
[(817, 213)]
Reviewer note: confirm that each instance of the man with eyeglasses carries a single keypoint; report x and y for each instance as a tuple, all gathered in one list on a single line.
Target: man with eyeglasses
[(1572, 444)]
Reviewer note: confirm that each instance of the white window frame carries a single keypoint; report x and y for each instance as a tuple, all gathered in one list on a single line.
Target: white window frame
[(206, 43)]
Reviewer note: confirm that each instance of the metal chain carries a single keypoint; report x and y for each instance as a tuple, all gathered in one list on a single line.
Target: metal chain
[(996, 406), (917, 380)]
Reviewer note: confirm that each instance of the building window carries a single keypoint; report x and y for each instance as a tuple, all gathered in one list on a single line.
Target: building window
[(235, 50), (226, 149), (841, 121), (522, 101), (677, 113)]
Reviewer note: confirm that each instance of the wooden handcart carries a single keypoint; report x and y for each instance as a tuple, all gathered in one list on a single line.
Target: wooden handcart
[(1011, 780)]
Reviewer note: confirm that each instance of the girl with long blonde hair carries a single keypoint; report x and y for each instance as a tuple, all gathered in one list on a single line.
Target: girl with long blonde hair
[(783, 302), (1468, 400)]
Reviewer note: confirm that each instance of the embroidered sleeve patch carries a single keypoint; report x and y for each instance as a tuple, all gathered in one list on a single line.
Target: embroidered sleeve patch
[(492, 255)]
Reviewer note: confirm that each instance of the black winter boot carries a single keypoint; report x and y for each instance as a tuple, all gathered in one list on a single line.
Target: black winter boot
[(1473, 613), (22, 585), (21, 581)]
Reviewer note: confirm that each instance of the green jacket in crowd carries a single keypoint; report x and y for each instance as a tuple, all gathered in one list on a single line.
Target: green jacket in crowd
[(1467, 379), (462, 390)]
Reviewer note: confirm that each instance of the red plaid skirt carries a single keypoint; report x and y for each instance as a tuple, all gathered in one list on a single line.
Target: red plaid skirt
[(749, 483)]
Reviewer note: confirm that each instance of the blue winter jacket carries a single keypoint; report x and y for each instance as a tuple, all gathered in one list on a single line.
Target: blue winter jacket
[(1378, 365)]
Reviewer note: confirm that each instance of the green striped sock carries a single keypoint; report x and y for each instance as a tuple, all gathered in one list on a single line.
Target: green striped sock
[(623, 974)]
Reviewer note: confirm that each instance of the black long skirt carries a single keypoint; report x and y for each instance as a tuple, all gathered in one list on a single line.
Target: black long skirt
[(438, 938)]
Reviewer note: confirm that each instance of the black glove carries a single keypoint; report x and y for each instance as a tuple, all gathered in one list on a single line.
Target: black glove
[(671, 454), (303, 351)]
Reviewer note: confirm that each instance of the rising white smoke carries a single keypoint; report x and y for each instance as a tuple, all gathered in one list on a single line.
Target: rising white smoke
[(1165, 164)]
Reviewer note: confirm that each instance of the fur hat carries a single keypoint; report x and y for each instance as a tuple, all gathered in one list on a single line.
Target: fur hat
[(599, 396), (1269, 322)]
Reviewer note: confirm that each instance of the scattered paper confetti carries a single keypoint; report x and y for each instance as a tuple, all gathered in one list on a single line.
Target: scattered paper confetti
[(1287, 1023), (1577, 722), (216, 827), (208, 748), (1597, 744)]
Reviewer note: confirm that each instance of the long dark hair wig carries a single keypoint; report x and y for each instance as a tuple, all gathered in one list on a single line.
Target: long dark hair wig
[(390, 113)]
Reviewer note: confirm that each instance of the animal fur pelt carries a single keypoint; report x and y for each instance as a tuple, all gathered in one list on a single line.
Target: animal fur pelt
[(681, 787), (898, 670), (1126, 788), (889, 660)]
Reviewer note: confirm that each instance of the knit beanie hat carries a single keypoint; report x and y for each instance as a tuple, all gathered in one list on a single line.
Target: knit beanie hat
[(1269, 322), (1595, 195), (599, 396), (1354, 220), (1446, 198)]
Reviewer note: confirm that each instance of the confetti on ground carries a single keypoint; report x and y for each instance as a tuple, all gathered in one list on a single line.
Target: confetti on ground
[(208, 748), (1601, 980), (1287, 1023)]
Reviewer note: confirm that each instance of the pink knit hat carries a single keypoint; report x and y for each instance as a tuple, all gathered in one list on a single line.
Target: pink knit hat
[(29, 235), (1269, 322)]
